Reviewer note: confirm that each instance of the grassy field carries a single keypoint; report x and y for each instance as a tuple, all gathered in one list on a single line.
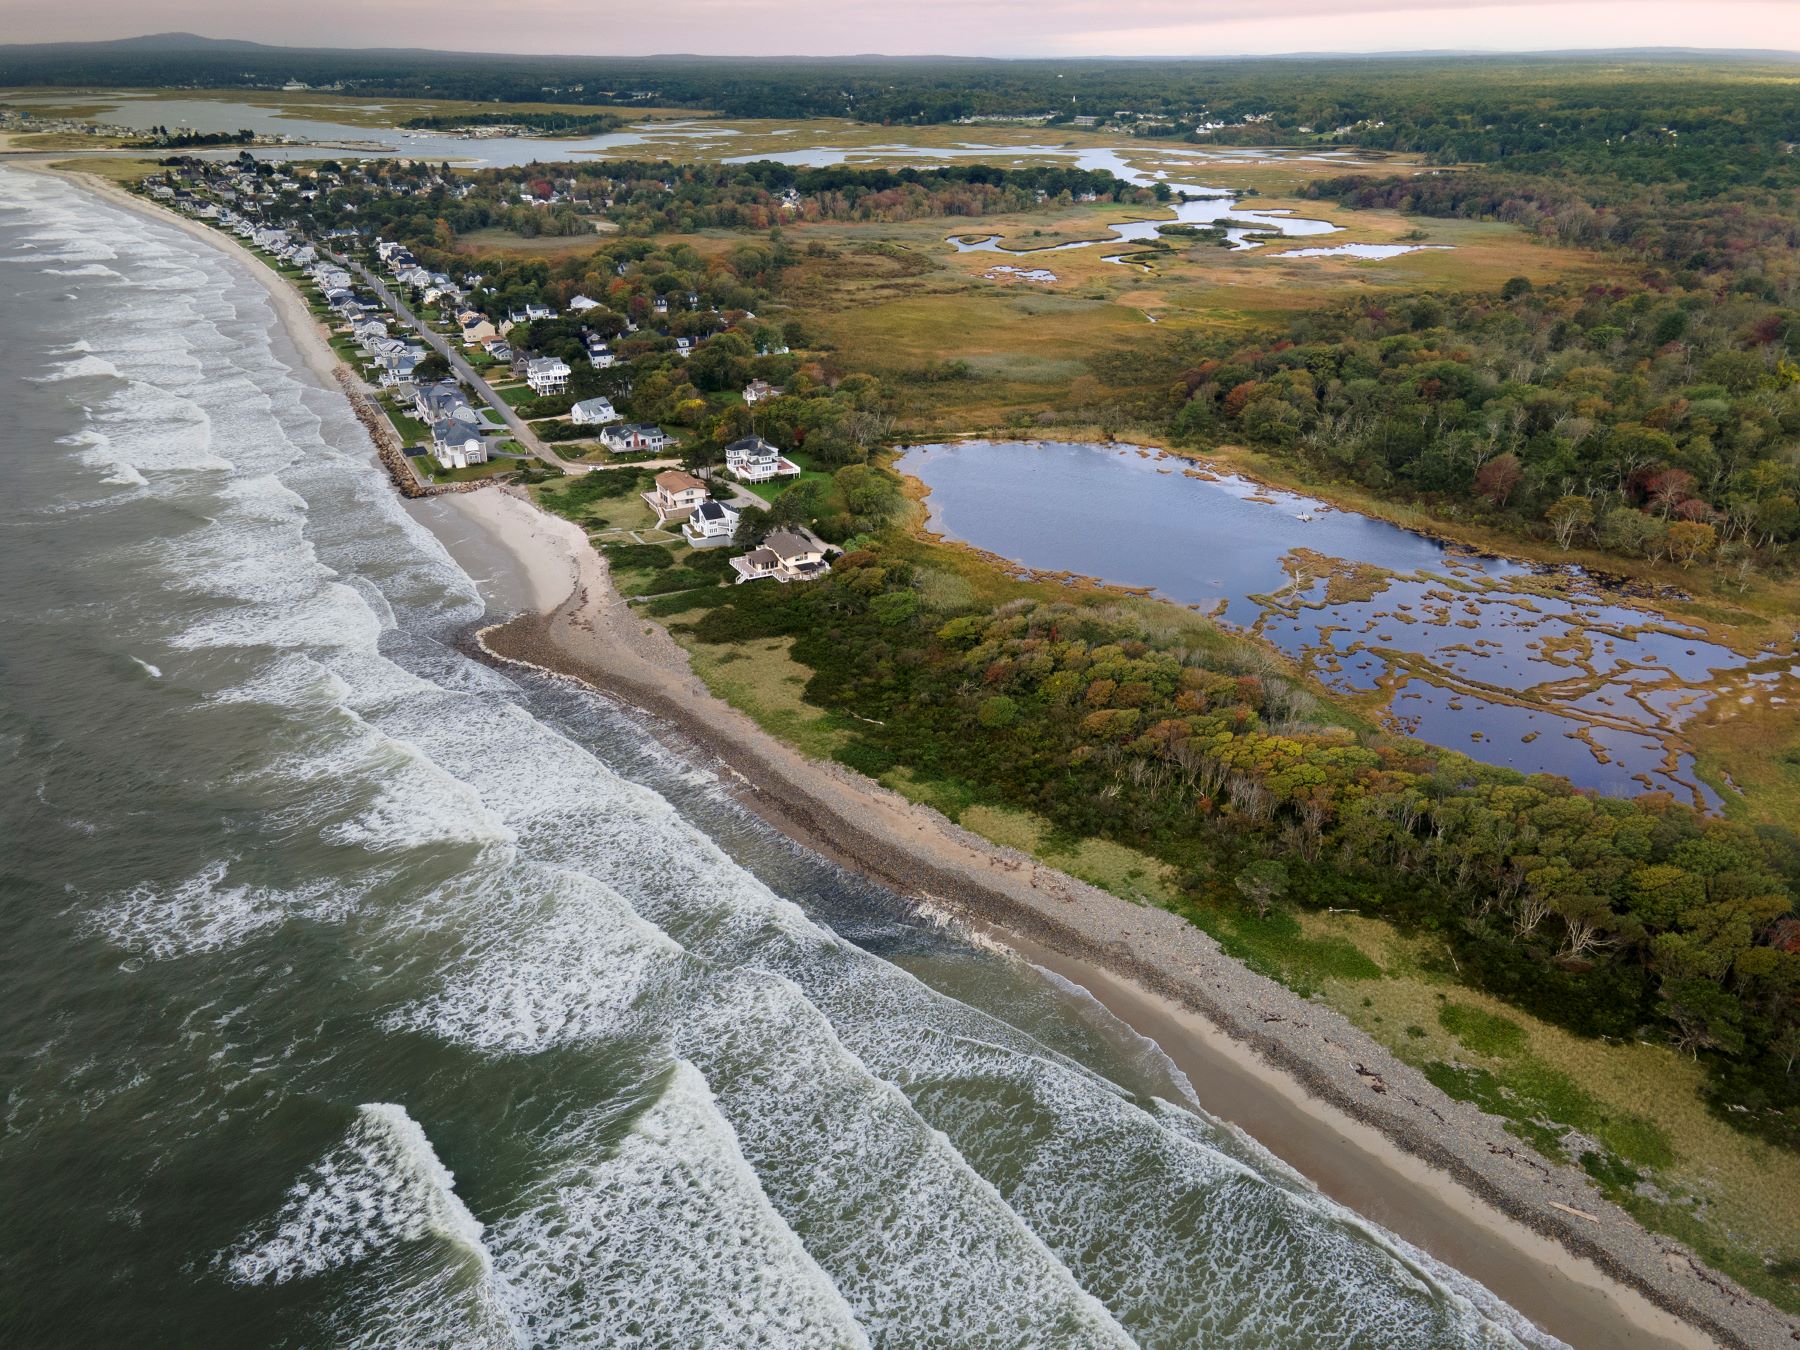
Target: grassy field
[(1630, 1113), (489, 242), (317, 106), (896, 299)]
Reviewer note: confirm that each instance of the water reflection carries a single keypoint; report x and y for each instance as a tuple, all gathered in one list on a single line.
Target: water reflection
[(1478, 654)]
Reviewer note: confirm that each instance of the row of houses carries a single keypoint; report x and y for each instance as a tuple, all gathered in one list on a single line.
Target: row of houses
[(788, 554)]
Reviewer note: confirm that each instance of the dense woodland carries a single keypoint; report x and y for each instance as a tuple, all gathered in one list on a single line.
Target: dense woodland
[(1612, 918), (1460, 109), (419, 203), (1654, 422), (1656, 416)]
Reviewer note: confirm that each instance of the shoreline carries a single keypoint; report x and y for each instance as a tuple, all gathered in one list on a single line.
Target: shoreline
[(1624, 586), (1301, 1079), (1362, 1126)]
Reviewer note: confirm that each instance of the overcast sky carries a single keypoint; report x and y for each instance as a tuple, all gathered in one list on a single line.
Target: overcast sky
[(908, 27)]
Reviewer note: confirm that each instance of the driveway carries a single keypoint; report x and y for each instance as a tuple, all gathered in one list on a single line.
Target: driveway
[(520, 429)]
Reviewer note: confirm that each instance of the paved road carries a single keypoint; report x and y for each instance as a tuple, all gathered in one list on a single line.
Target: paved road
[(520, 429)]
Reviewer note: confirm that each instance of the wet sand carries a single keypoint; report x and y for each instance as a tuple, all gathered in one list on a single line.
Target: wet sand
[(1308, 1086), (1312, 1089)]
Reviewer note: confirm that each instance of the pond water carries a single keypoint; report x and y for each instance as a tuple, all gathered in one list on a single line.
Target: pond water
[(1473, 653), (705, 138), (1363, 251), (1200, 205), (220, 115)]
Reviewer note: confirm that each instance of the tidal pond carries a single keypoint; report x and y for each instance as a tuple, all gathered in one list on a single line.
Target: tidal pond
[(1478, 654)]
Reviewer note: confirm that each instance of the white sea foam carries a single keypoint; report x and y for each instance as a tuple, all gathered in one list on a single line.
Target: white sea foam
[(552, 957), (81, 368), (843, 1168), (670, 1241), (208, 913), (153, 672), (85, 270), (382, 1185)]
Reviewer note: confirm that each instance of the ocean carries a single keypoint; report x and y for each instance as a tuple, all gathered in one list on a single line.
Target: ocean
[(354, 993)]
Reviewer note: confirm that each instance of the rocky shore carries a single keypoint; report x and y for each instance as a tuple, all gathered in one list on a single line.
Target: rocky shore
[(388, 448), (1365, 1127), (1611, 1281)]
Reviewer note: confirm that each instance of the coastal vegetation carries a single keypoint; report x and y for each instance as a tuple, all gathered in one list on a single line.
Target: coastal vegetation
[(535, 123), (1600, 367)]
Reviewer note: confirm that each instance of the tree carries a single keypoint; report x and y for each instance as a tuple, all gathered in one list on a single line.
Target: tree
[(431, 367), (1263, 884), (1496, 479), (1690, 540), (1568, 516)]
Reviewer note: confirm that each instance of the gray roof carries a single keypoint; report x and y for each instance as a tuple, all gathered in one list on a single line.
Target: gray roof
[(787, 544)]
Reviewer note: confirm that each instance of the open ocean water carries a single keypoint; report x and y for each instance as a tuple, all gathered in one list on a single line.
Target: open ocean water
[(353, 993)]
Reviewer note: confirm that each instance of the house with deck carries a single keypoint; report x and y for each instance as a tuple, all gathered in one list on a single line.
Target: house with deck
[(786, 555), (754, 460), (676, 495), (634, 437), (457, 446), (547, 375), (711, 525)]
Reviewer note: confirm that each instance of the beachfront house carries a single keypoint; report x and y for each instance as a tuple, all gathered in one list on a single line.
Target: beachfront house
[(754, 460), (444, 399), (675, 495), (397, 366), (593, 412), (634, 437), (457, 446), (547, 375), (786, 555), (760, 391), (711, 525)]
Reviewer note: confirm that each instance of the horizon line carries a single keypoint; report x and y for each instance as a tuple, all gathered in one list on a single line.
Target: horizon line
[(1305, 55)]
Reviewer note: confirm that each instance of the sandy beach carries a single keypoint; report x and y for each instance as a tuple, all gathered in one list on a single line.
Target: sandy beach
[(1318, 1093), (1365, 1128)]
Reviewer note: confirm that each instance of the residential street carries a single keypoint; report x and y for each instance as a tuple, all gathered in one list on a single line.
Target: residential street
[(518, 426)]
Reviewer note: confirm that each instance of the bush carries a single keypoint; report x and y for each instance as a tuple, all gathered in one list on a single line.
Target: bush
[(653, 557), (1483, 1032)]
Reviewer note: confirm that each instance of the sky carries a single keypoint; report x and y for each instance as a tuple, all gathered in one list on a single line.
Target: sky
[(939, 27)]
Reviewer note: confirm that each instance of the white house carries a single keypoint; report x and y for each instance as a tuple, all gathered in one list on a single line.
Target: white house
[(457, 446), (581, 304), (593, 412), (760, 391), (711, 525), (676, 495), (754, 460), (786, 555), (634, 436), (547, 375)]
